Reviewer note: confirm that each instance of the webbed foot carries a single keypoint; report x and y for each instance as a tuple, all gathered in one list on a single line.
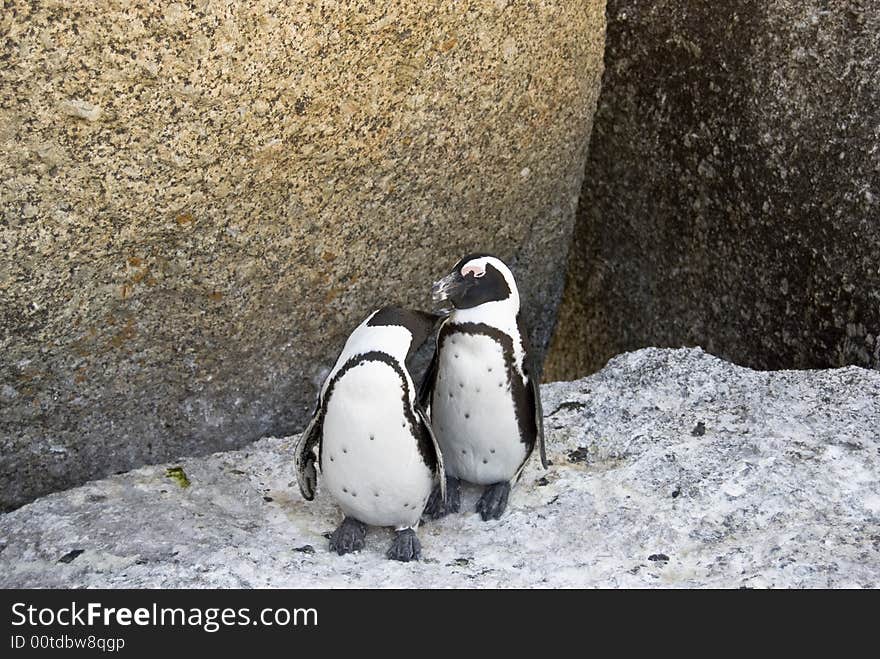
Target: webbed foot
[(493, 503), (405, 547), (349, 536), (436, 507)]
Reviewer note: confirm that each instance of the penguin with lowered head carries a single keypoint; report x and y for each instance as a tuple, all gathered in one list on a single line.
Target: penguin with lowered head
[(375, 448)]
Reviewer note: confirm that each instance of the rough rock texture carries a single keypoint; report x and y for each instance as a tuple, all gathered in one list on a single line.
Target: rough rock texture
[(199, 200), (732, 195), (670, 468)]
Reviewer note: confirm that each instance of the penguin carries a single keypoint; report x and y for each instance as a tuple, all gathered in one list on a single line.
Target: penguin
[(482, 387), (375, 448)]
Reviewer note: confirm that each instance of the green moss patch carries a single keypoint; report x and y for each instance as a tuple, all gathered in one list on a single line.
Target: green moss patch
[(178, 475)]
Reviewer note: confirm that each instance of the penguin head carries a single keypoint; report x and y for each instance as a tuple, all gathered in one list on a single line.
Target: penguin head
[(475, 280), (419, 324)]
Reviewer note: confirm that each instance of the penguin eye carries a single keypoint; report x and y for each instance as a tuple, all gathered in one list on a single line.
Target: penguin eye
[(479, 273)]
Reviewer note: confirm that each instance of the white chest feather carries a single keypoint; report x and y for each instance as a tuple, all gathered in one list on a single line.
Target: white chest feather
[(472, 411), (370, 459)]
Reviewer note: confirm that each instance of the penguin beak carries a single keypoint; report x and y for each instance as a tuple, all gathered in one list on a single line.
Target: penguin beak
[(447, 290)]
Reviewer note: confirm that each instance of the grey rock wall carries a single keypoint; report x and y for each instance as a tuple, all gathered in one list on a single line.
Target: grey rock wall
[(732, 192)]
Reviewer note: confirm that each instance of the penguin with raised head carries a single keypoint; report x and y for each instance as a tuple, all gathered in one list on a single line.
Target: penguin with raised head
[(377, 454), (482, 387)]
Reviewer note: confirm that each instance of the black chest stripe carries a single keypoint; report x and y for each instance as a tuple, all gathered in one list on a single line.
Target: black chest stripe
[(523, 405), (426, 447)]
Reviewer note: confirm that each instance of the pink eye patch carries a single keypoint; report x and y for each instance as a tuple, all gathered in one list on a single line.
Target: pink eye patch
[(476, 270)]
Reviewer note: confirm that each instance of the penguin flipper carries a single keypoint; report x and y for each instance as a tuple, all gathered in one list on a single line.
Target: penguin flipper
[(305, 458), (441, 470), (427, 384), (533, 397), (534, 391)]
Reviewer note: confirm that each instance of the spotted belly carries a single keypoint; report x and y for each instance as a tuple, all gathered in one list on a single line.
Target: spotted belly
[(472, 411), (370, 461)]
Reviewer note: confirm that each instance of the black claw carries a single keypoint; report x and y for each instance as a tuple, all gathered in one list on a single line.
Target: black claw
[(493, 503), (348, 537), (436, 507), (405, 547)]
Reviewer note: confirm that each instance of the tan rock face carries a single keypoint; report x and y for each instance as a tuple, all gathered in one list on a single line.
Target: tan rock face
[(198, 201)]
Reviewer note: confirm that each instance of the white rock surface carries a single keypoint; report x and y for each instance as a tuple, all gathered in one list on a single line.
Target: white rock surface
[(737, 477)]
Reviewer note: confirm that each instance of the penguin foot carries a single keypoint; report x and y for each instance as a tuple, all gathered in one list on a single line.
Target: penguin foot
[(436, 507), (494, 501), (405, 547), (348, 537)]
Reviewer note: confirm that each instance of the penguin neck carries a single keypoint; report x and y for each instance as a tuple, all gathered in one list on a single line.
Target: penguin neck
[(501, 315), (392, 340)]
